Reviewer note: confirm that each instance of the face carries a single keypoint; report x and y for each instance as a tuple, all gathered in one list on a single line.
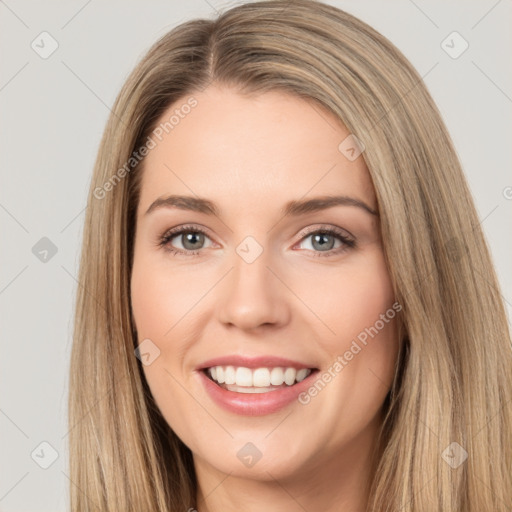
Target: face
[(264, 285)]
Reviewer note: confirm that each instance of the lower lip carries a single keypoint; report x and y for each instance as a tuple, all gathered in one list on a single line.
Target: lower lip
[(254, 404)]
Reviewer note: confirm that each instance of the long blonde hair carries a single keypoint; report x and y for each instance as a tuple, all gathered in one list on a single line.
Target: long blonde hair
[(453, 382)]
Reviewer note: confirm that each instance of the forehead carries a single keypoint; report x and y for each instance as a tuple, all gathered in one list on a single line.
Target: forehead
[(248, 151)]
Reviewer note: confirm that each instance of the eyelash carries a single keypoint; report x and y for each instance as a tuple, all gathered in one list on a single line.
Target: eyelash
[(349, 243)]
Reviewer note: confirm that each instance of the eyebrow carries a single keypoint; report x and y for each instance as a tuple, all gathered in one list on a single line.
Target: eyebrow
[(292, 208)]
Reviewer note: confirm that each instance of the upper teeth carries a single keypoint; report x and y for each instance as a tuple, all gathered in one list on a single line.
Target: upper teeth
[(259, 377)]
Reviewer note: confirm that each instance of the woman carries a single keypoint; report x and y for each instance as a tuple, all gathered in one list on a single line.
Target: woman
[(287, 302)]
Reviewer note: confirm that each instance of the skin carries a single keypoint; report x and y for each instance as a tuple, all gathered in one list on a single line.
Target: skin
[(262, 152)]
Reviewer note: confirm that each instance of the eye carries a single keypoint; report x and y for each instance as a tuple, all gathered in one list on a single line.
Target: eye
[(191, 238), (323, 241)]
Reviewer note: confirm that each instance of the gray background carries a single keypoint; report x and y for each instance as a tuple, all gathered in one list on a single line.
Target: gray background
[(53, 112)]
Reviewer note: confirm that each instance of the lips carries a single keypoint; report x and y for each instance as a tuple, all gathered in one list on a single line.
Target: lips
[(254, 404), (240, 398)]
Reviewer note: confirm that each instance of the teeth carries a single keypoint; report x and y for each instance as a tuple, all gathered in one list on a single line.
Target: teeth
[(264, 378), (229, 375), (243, 377), (276, 376), (302, 374), (261, 378), (289, 376)]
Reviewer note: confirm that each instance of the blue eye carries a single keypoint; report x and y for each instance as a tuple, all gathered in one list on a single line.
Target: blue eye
[(325, 239), (192, 239)]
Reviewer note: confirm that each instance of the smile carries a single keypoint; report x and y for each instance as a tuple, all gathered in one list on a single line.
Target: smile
[(255, 392)]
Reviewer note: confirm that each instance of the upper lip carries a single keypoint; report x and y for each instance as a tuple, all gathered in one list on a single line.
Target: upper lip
[(264, 361)]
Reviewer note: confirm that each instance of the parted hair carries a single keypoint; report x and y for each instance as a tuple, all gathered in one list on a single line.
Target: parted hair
[(453, 379)]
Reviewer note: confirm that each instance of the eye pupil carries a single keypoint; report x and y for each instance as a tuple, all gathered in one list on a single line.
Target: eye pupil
[(320, 236), (193, 238)]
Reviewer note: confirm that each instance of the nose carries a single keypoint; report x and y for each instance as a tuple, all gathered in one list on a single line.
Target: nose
[(252, 296)]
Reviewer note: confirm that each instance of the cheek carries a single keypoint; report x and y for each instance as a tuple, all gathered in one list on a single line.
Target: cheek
[(369, 296), (159, 298), (158, 304), (360, 310), (360, 356), (149, 305), (353, 300)]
